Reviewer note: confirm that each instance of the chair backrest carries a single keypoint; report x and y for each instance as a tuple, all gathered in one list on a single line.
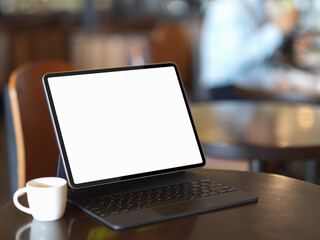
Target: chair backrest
[(171, 42), (36, 147)]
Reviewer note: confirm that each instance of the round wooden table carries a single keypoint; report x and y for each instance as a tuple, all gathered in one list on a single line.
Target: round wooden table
[(287, 209), (259, 131)]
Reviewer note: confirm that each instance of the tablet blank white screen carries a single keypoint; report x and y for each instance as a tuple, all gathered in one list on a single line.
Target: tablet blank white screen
[(121, 123)]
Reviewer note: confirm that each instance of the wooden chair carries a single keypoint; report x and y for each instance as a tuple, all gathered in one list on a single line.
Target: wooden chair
[(171, 42), (35, 143)]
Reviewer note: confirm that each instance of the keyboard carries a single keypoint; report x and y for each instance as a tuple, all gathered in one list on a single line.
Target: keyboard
[(132, 201)]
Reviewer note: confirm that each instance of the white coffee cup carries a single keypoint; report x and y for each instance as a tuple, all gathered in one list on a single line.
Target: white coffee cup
[(47, 198)]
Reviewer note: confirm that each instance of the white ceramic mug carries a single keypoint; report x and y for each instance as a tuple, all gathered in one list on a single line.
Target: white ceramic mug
[(47, 198)]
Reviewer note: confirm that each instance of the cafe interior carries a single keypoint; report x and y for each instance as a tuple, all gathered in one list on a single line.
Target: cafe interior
[(270, 122)]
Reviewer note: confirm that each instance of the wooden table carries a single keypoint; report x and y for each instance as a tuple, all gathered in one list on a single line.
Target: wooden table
[(259, 131), (287, 209), (276, 94)]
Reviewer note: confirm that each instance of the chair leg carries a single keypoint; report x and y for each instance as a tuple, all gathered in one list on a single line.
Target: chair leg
[(255, 165), (311, 171)]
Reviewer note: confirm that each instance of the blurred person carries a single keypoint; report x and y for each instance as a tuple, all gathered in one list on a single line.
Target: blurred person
[(238, 39)]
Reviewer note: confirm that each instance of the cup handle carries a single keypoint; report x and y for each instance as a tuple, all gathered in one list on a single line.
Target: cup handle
[(16, 202)]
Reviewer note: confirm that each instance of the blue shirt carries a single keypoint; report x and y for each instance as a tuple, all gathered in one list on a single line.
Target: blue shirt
[(236, 41)]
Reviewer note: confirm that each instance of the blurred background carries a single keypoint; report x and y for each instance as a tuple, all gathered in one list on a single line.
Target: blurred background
[(98, 33), (113, 33)]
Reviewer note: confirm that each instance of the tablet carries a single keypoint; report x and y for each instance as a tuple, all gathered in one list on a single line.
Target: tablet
[(123, 123)]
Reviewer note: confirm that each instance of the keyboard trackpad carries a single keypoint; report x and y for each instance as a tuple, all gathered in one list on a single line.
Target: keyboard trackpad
[(184, 207)]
